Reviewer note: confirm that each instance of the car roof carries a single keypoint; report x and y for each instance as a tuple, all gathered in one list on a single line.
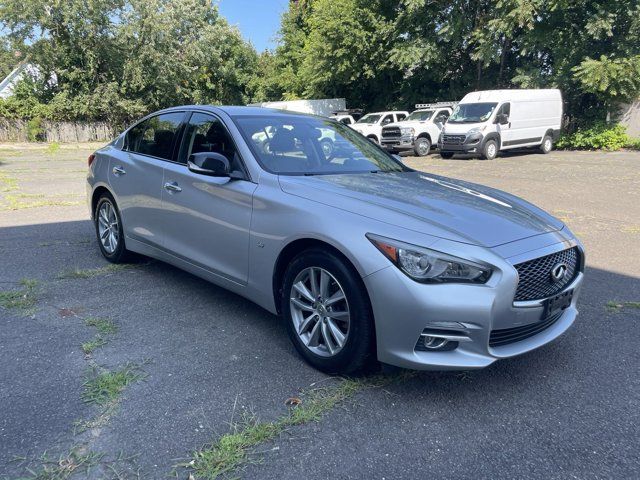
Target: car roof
[(237, 111)]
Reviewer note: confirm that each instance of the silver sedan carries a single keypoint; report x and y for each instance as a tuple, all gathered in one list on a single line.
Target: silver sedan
[(364, 258)]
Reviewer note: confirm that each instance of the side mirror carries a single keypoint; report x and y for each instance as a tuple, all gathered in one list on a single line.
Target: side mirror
[(502, 119), (209, 163), (439, 124)]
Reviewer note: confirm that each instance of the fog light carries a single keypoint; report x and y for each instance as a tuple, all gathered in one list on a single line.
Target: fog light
[(434, 343)]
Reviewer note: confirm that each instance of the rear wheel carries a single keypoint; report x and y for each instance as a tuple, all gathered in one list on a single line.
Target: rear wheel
[(108, 224), (327, 313), (446, 155), (547, 144), (490, 150), (422, 147)]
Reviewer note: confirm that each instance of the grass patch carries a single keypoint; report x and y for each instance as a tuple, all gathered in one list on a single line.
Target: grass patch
[(95, 272), (75, 462), (23, 299), (104, 326), (7, 183), (235, 449), (22, 201), (89, 347), (53, 148), (617, 306), (106, 387)]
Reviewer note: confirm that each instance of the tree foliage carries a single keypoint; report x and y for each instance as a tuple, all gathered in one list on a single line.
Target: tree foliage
[(118, 59), (384, 53)]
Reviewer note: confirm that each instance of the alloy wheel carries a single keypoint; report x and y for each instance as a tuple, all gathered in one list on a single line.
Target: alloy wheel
[(108, 229), (320, 311)]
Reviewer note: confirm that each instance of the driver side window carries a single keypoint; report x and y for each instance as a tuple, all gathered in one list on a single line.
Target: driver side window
[(388, 119), (505, 109), (206, 133)]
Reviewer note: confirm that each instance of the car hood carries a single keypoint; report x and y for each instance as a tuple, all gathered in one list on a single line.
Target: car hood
[(430, 204), (460, 128)]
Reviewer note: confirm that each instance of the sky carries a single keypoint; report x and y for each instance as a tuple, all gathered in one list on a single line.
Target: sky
[(258, 20)]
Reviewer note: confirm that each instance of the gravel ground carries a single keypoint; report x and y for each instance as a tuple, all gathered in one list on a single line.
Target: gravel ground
[(568, 410)]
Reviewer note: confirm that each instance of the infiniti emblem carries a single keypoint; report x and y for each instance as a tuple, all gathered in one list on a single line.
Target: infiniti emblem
[(558, 272)]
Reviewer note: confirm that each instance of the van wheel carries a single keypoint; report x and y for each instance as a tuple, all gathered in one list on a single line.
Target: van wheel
[(422, 147), (446, 155), (490, 150), (547, 144), (327, 313)]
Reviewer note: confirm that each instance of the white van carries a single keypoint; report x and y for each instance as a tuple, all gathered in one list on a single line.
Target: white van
[(493, 120)]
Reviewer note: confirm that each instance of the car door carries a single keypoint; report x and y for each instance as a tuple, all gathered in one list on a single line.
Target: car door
[(136, 174), (207, 219), (507, 134)]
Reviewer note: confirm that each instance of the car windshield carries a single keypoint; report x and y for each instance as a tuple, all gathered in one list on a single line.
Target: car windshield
[(301, 145), (371, 118), (472, 112), (421, 115)]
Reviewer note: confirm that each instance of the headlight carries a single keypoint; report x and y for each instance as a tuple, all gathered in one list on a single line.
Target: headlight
[(430, 266), (407, 131), (477, 130)]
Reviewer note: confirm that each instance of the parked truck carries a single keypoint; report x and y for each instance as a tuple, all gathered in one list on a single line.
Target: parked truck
[(419, 131), (371, 124), (487, 122)]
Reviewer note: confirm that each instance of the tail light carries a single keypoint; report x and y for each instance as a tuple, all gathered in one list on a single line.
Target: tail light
[(91, 158)]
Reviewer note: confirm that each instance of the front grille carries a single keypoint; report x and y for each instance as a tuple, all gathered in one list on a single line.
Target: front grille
[(505, 336), (390, 132), (453, 139), (534, 277)]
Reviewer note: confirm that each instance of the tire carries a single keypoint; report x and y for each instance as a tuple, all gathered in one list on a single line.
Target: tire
[(547, 144), (373, 138), (106, 208), (327, 147), (422, 147), (357, 350), (446, 155), (490, 150)]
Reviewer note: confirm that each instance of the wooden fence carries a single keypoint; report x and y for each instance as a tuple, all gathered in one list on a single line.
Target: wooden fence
[(63, 132)]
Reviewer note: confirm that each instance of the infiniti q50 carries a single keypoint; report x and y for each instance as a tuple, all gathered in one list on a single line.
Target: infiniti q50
[(364, 258)]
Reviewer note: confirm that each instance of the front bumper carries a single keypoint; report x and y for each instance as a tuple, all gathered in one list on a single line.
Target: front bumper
[(394, 144), (403, 309), (471, 144)]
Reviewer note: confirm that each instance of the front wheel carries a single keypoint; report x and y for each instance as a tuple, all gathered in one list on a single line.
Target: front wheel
[(547, 144), (422, 147), (490, 150), (327, 313)]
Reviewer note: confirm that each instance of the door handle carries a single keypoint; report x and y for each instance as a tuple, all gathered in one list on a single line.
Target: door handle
[(172, 187), (118, 170)]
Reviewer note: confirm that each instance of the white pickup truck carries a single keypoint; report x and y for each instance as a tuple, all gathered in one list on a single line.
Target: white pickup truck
[(371, 124), (419, 131)]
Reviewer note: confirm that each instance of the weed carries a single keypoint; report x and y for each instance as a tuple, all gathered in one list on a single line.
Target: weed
[(72, 463), (94, 272), (617, 306), (90, 346), (104, 326), (23, 299), (105, 387), (233, 450)]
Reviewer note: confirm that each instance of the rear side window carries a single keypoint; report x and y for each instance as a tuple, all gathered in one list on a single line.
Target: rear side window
[(155, 136)]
